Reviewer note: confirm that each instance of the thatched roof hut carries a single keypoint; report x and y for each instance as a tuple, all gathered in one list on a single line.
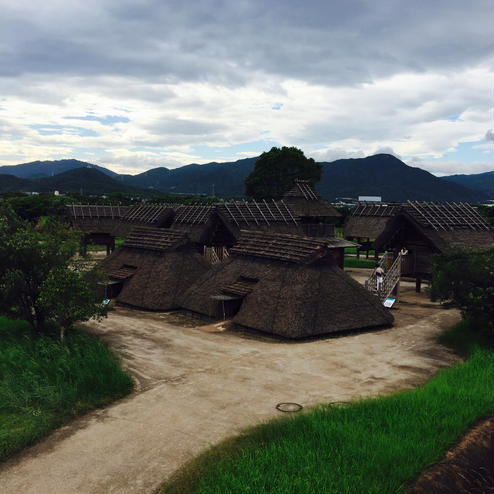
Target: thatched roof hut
[(428, 228), (155, 265), (316, 217), (119, 220), (304, 202), (369, 220), (220, 224), (203, 226), (97, 218), (285, 285), (157, 215), (273, 216)]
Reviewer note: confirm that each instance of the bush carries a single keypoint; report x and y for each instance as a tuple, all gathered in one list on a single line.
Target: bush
[(466, 280)]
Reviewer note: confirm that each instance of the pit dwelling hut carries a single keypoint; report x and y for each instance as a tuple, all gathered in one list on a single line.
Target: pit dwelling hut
[(424, 229), (286, 285), (366, 222), (153, 267), (317, 218)]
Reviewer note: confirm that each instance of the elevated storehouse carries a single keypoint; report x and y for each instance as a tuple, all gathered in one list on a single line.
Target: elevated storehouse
[(317, 218), (422, 229), (367, 221), (102, 223)]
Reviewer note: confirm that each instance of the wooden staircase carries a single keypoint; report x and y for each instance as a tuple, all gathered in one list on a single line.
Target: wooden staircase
[(391, 278), (216, 254)]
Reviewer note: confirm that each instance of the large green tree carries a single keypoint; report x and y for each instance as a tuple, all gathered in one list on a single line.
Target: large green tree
[(276, 170), (36, 266)]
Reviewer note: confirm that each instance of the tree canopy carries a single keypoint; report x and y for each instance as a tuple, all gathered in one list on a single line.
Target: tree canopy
[(466, 279), (276, 170), (37, 267)]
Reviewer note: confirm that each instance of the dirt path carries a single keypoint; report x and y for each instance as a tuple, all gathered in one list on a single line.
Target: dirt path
[(197, 386)]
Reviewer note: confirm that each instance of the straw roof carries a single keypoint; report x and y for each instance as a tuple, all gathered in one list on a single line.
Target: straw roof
[(157, 265), (302, 296), (443, 225), (151, 238), (150, 214), (88, 211), (283, 247), (369, 220), (303, 201), (255, 214), (119, 220)]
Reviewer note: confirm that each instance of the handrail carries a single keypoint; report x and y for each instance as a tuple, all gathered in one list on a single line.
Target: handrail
[(391, 278)]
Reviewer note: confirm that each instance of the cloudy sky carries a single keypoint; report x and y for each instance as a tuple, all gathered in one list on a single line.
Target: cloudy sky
[(132, 85)]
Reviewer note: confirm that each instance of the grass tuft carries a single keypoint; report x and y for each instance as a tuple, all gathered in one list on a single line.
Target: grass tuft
[(44, 383)]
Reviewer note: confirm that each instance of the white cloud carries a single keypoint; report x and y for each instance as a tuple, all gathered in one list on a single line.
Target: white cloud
[(441, 168), (391, 78)]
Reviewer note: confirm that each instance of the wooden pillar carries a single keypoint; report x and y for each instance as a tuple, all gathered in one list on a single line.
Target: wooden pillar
[(83, 246), (418, 283), (358, 248), (367, 251), (111, 247), (396, 291)]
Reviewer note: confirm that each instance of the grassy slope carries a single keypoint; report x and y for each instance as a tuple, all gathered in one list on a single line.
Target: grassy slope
[(44, 383), (372, 446)]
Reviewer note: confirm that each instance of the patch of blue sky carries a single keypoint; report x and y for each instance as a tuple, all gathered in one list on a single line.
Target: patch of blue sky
[(106, 120), (277, 106), (234, 150), (467, 152), (51, 129)]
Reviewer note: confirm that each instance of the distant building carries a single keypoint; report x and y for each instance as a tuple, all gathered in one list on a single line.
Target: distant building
[(369, 198)]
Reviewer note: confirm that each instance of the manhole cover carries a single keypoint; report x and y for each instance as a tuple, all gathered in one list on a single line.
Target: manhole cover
[(289, 407)]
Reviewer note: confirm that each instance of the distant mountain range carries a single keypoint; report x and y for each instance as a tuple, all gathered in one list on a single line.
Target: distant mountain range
[(38, 169), (380, 175), (483, 182)]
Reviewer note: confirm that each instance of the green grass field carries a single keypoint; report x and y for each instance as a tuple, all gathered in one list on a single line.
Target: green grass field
[(375, 446), (44, 383), (353, 262)]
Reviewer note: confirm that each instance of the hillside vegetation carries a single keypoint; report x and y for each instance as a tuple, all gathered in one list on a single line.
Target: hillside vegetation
[(380, 175)]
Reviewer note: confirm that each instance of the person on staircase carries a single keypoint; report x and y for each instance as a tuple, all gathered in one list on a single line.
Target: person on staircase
[(379, 278)]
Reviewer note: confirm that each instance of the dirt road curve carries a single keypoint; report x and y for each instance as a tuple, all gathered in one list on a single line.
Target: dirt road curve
[(197, 386)]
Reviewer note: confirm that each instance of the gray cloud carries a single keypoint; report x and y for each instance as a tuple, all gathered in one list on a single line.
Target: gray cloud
[(489, 136), (331, 43), (183, 127)]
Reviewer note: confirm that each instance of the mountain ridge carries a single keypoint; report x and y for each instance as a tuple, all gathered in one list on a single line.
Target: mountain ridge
[(378, 175), (477, 181)]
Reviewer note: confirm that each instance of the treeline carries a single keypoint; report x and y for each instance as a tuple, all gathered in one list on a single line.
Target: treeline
[(37, 206)]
